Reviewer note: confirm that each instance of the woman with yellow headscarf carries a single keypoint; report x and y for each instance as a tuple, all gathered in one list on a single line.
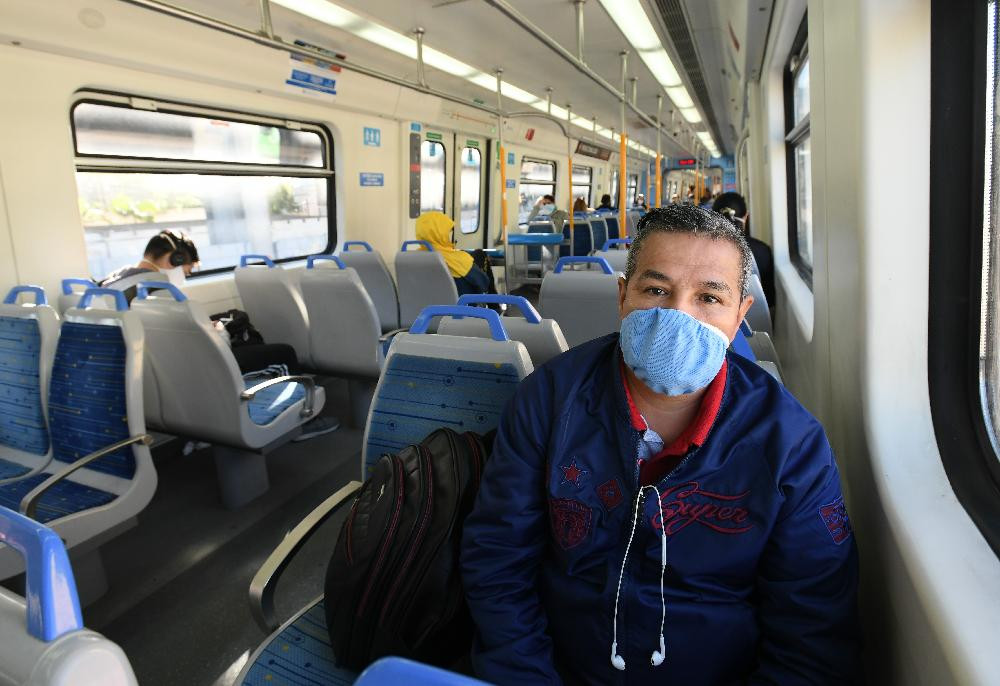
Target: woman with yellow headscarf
[(470, 277)]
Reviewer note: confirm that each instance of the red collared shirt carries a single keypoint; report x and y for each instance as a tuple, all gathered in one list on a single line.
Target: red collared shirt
[(661, 464)]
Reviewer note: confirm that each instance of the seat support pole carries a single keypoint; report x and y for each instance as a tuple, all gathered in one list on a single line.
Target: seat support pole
[(242, 475)]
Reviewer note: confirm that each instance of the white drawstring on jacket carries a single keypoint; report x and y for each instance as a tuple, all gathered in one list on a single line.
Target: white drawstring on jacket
[(656, 659)]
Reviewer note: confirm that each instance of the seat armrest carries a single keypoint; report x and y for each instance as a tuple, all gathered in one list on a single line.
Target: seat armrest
[(29, 503), (307, 381), (266, 579)]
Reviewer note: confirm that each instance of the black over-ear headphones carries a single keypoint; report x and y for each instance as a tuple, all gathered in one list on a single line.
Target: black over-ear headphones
[(177, 258)]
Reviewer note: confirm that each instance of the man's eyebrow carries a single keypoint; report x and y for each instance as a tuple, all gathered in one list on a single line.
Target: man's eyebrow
[(721, 286), (653, 274)]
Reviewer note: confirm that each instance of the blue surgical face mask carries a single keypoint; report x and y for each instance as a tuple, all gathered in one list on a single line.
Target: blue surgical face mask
[(671, 351), (546, 209)]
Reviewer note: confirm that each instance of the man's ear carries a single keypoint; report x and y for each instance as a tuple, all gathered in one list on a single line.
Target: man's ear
[(744, 308), (622, 289)]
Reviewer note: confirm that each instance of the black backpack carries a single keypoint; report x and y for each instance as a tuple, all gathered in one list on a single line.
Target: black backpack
[(393, 585), (238, 326)]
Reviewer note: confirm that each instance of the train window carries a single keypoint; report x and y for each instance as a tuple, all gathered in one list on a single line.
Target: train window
[(472, 172), (432, 178), (583, 179), (631, 189), (614, 187), (538, 178), (799, 161), (235, 183)]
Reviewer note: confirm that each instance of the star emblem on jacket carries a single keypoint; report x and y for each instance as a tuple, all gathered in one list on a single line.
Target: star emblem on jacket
[(572, 473)]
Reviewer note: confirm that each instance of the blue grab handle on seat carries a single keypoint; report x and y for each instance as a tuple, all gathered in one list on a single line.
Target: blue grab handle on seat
[(53, 606), (39, 292), (121, 304), (142, 290), (527, 309), (348, 244), (67, 285), (390, 671), (423, 319), (563, 261), (426, 244), (312, 259), (615, 241), (261, 258)]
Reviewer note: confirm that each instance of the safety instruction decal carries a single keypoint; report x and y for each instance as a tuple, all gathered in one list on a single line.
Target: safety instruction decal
[(372, 179)]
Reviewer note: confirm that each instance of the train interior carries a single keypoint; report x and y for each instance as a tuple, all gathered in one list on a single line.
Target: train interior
[(860, 133)]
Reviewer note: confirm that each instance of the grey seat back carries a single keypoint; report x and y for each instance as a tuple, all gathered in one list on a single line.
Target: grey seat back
[(344, 327), (542, 337), (759, 315), (42, 637), (584, 303), (424, 280), (615, 251), (376, 279), (193, 383), (271, 298)]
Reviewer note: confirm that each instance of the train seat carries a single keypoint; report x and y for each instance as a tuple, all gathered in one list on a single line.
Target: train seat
[(345, 334), (611, 221), (193, 387), (584, 303), (377, 280), (759, 314), (28, 335), (101, 474), (396, 670), (615, 251), (582, 240), (428, 381), (633, 217), (70, 294), (771, 368), (423, 280), (542, 337), (533, 252), (271, 297), (598, 228), (42, 637)]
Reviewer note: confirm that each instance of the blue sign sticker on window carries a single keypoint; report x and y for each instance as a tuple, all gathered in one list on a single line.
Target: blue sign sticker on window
[(510, 158), (511, 183), (415, 128), (372, 179), (373, 137)]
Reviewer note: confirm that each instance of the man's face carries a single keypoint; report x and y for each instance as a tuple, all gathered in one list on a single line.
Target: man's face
[(694, 274)]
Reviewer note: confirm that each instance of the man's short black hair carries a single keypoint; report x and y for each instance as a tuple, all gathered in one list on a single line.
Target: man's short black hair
[(606, 200), (550, 198), (693, 220), (167, 242), (732, 201)]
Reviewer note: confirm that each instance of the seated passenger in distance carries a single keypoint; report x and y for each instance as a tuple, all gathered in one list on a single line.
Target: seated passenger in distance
[(472, 273), (640, 203), (658, 506), (580, 205), (605, 203), (169, 253), (733, 206)]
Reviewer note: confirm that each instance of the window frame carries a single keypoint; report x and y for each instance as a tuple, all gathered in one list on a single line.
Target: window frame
[(957, 159), (631, 188), (444, 175), (532, 182), (589, 185), (479, 189), (795, 133), (117, 164)]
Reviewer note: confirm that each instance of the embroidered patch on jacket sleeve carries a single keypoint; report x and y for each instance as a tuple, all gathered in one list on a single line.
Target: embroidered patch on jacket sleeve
[(610, 494), (570, 520), (834, 516)]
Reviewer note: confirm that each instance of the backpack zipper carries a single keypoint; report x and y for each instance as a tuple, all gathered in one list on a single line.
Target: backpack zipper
[(350, 529), (419, 537), (398, 465)]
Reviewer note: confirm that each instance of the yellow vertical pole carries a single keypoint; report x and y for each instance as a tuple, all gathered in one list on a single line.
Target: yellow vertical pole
[(622, 183), (659, 179)]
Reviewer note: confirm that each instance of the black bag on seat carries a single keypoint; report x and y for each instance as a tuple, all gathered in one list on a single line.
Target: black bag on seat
[(393, 585)]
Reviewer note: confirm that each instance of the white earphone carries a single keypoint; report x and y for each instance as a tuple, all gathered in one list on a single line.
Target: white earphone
[(658, 656)]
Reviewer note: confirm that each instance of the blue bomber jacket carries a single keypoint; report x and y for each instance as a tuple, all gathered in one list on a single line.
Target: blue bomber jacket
[(761, 576)]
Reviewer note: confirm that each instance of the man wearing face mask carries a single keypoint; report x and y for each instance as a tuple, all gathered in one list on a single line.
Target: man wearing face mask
[(658, 510), (169, 256)]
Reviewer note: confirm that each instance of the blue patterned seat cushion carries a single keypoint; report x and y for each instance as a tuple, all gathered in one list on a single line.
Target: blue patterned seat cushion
[(421, 394), (65, 498), (87, 409), (271, 402), (10, 469), (22, 423), (300, 654)]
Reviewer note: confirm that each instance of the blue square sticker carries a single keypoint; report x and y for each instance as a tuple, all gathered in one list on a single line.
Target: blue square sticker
[(373, 137)]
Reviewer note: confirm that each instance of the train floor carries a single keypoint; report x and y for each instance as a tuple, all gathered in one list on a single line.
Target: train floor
[(178, 582)]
